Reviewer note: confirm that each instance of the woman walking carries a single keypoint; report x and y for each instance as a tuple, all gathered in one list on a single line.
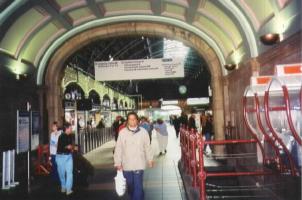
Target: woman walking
[(162, 135)]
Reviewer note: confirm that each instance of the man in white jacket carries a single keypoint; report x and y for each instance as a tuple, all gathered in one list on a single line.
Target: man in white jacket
[(132, 153)]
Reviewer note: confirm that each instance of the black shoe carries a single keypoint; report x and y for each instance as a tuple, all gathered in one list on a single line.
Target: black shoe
[(165, 151), (160, 153)]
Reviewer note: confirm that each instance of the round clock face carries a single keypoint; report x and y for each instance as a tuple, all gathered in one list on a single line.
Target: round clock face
[(182, 89), (67, 96)]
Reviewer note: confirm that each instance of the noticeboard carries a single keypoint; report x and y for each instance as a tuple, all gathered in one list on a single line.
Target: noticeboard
[(139, 69), (23, 129)]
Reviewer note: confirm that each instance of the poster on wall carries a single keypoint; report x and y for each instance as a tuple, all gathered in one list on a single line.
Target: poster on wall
[(35, 116), (23, 123), (139, 69)]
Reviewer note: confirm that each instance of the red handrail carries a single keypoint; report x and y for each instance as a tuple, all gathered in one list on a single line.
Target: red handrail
[(267, 137), (254, 135), (268, 121), (289, 117)]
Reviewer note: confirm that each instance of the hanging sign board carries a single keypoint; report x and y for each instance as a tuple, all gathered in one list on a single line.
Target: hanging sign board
[(23, 123), (139, 69)]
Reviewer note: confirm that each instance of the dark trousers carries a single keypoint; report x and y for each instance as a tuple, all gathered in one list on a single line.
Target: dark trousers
[(134, 181), (54, 169)]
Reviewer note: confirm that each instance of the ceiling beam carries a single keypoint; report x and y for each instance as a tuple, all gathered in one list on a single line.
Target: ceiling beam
[(193, 8), (156, 6), (11, 16), (94, 7), (54, 13)]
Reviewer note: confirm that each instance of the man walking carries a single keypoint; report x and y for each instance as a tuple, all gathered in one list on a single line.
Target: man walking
[(64, 159), (132, 153)]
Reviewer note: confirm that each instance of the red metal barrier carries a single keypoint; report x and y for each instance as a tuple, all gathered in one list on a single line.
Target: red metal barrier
[(194, 165), (187, 152), (270, 140), (267, 108), (203, 175)]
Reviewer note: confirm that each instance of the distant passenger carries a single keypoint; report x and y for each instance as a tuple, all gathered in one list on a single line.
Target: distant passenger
[(101, 124), (162, 135), (132, 152), (208, 130), (191, 122), (176, 124), (147, 126), (183, 119), (53, 144)]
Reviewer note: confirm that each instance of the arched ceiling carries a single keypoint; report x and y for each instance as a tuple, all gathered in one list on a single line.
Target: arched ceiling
[(30, 28)]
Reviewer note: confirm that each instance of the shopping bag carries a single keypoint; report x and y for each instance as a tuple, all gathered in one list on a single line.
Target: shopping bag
[(120, 183), (208, 150)]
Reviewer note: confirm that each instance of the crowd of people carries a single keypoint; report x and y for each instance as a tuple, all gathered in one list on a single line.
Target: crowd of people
[(205, 121), (133, 137)]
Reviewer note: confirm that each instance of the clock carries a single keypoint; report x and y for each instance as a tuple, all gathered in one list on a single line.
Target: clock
[(182, 89)]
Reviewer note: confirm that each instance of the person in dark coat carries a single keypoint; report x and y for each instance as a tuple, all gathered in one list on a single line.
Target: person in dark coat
[(191, 123), (183, 119)]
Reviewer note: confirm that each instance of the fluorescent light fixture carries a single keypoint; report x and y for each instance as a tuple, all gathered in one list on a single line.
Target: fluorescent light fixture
[(171, 102), (198, 101)]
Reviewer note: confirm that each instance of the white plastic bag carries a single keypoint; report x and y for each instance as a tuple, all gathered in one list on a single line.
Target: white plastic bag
[(120, 183), (208, 150)]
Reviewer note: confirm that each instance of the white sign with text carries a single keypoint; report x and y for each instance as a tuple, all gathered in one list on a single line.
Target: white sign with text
[(139, 69)]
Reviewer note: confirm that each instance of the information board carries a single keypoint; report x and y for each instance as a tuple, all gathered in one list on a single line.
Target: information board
[(139, 69), (23, 123)]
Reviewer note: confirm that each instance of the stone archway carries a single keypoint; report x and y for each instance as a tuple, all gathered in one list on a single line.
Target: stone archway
[(55, 67)]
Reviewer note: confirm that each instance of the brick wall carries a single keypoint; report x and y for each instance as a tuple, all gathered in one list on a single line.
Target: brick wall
[(288, 51)]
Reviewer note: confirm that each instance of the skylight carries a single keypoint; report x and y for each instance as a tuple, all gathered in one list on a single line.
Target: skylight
[(175, 49)]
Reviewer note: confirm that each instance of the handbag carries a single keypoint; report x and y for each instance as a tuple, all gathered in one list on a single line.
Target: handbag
[(120, 183)]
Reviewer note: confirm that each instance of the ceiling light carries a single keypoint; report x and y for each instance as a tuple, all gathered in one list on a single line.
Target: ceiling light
[(270, 38), (230, 67)]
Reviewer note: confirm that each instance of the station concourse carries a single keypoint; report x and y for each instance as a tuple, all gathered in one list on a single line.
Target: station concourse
[(224, 77)]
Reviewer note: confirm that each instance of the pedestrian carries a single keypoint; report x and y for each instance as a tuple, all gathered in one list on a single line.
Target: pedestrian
[(64, 159), (53, 144), (162, 135), (146, 125), (191, 122), (176, 125), (208, 130), (132, 152), (183, 120)]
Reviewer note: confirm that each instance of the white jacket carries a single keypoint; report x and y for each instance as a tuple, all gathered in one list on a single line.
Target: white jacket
[(133, 150)]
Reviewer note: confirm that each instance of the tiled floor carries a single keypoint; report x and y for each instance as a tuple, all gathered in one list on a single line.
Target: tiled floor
[(163, 181)]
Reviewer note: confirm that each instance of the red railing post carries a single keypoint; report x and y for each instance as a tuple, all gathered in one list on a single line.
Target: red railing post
[(202, 174), (193, 162)]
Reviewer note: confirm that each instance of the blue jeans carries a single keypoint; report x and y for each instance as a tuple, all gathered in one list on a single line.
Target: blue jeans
[(65, 170), (54, 169), (134, 181)]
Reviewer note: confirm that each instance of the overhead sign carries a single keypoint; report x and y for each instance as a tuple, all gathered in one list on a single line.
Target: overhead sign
[(139, 69), (171, 102), (198, 101)]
